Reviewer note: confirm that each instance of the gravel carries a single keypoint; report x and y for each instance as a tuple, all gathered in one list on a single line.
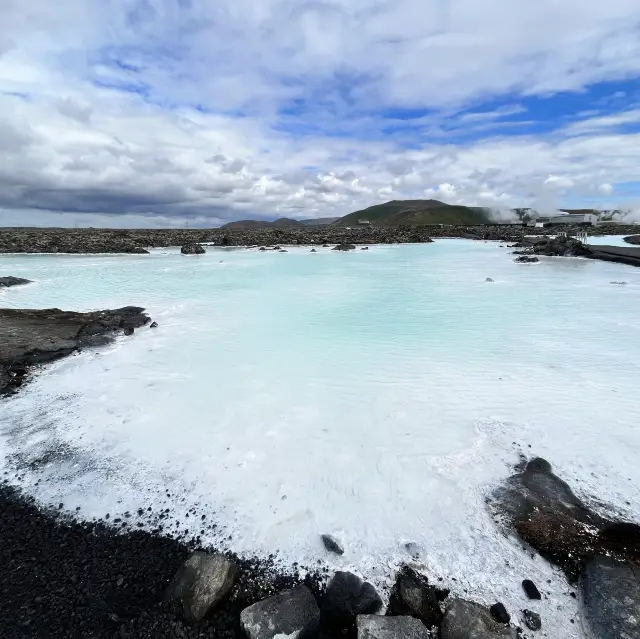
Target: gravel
[(67, 578)]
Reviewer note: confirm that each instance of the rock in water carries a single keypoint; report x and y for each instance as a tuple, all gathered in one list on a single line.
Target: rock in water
[(531, 589), (564, 246), (489, 280), (347, 596), (412, 595), (532, 620), (292, 613), (610, 599), (153, 325), (201, 583), (542, 508), (192, 249), (344, 247), (12, 281), (467, 620), (499, 613), (332, 544), (128, 330), (527, 259), (377, 627)]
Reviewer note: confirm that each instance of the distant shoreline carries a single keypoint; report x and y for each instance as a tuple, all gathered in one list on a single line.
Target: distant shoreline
[(137, 241)]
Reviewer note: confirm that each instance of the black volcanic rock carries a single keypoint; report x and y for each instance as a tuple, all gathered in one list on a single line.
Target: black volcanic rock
[(192, 249), (499, 613), (332, 544), (292, 613), (346, 597), (344, 247), (632, 239), (413, 595), (469, 620), (531, 589), (201, 583), (563, 246), (547, 515), (12, 281), (611, 598), (29, 337), (532, 620)]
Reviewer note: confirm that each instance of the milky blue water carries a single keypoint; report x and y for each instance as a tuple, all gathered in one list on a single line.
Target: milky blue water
[(378, 395)]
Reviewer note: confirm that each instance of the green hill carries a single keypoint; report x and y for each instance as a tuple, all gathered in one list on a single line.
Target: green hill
[(415, 212)]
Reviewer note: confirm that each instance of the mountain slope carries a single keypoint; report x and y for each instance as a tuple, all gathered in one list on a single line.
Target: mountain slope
[(414, 212)]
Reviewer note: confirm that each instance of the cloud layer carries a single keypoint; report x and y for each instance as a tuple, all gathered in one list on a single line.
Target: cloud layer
[(171, 111)]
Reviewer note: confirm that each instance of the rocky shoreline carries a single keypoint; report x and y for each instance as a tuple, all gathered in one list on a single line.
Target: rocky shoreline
[(137, 241), (64, 577), (567, 246), (32, 337)]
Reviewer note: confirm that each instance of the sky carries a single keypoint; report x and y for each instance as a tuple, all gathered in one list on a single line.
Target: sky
[(193, 112)]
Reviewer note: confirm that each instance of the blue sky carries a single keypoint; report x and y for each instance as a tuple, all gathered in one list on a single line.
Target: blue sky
[(161, 112)]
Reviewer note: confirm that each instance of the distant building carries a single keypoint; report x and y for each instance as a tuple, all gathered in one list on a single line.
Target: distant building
[(570, 218), (364, 222)]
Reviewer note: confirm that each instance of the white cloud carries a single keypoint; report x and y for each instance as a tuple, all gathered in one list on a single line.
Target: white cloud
[(559, 182), (172, 108), (606, 189)]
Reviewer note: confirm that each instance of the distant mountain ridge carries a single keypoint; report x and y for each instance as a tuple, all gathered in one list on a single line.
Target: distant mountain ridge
[(394, 213)]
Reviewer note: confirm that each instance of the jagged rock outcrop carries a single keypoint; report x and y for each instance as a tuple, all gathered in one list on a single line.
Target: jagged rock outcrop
[(563, 246), (29, 336), (5, 282)]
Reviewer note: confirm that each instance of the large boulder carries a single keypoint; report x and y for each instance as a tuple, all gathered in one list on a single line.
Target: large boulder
[(468, 620), (526, 259), (293, 613), (546, 514), (413, 595), (632, 239), (192, 249), (544, 511), (344, 247), (377, 627), (203, 581), (346, 597), (12, 281), (610, 599)]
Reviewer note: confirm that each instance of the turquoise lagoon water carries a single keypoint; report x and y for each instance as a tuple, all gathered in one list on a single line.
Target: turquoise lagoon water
[(378, 395)]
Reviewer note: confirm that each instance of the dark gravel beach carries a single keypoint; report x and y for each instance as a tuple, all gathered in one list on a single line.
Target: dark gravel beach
[(63, 578)]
